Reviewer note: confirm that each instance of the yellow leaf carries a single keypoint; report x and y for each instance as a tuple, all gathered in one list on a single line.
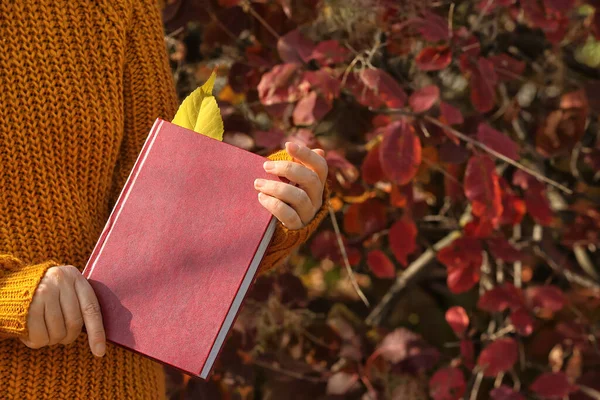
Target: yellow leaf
[(209, 121), (200, 112)]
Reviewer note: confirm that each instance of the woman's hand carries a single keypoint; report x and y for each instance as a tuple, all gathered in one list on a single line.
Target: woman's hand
[(62, 303), (294, 206)]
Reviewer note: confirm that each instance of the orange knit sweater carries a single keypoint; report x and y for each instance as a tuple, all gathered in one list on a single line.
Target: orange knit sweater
[(81, 83)]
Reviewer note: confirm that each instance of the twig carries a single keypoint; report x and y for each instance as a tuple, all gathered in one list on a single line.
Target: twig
[(286, 372), (345, 257), (248, 8), (499, 379), (518, 265), (476, 386), (593, 393), (484, 10), (176, 32), (584, 262), (571, 276), (502, 157), (414, 270), (451, 19), (516, 381)]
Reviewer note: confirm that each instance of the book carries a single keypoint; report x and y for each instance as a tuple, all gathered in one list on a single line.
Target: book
[(181, 248)]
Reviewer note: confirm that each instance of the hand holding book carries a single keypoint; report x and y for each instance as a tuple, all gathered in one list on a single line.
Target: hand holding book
[(294, 206)]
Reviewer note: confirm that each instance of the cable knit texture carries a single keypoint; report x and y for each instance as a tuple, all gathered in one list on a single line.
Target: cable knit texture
[(81, 83)]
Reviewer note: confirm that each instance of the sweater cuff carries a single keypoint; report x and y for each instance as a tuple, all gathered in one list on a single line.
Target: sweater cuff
[(18, 283), (285, 240)]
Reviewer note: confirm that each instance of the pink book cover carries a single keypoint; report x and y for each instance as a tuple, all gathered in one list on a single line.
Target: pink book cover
[(181, 248)]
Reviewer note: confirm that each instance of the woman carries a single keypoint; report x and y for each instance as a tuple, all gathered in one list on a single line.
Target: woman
[(81, 83)]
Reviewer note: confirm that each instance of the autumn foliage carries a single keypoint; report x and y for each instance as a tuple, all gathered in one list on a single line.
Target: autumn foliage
[(463, 144)]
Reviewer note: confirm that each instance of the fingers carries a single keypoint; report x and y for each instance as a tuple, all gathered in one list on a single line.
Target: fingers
[(313, 159), (38, 334), (92, 317), (283, 212), (300, 174), (71, 312), (55, 324), (293, 196)]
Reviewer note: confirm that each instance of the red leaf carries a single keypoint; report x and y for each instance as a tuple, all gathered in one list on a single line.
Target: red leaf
[(522, 321), (434, 58), (507, 68), (513, 207), (322, 82), (505, 393), (463, 279), (482, 187), (384, 86), (402, 197), (479, 228), (400, 153), (279, 85), (552, 385), (365, 218), (463, 260), (325, 246), (546, 297), (424, 98), (561, 6), (497, 141), (447, 384), (458, 320), (499, 356), (402, 238), (340, 167), (563, 128), (380, 264), (452, 186), (535, 197), (408, 351), (434, 27), (502, 249), (329, 52), (371, 167), (483, 82), (467, 352), (310, 109), (269, 139), (293, 47), (451, 115), (500, 298)]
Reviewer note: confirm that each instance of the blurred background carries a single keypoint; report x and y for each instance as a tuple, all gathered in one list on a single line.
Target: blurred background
[(461, 256)]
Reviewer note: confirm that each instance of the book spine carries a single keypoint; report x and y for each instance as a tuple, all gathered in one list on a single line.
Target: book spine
[(89, 268)]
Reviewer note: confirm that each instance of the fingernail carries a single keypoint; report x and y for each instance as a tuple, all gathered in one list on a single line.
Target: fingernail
[(293, 146), (99, 349), (259, 183), (269, 166)]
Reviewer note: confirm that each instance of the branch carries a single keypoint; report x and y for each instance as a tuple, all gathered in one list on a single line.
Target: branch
[(247, 7), (571, 276), (291, 374), (500, 156), (345, 257), (593, 393), (412, 273)]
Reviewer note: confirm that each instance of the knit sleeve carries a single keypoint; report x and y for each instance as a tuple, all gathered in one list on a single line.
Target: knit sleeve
[(18, 283), (148, 87), (285, 240)]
